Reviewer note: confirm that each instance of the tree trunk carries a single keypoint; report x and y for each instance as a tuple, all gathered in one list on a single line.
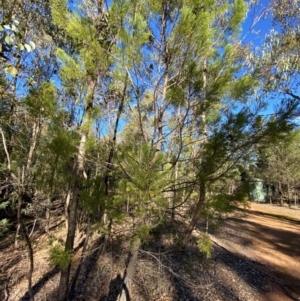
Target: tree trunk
[(80, 174), (72, 214), (67, 204), (74, 280), (280, 193), (27, 240), (175, 193), (196, 216), (31, 260), (129, 272), (47, 222), (109, 164), (202, 194), (35, 131), (8, 164), (289, 194)]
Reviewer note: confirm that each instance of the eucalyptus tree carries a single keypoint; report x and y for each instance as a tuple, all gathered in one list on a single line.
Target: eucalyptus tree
[(20, 130), (23, 27), (278, 165), (278, 62)]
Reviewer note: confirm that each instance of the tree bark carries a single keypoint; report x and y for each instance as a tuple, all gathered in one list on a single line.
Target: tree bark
[(8, 165), (27, 240), (80, 174), (68, 198), (72, 214), (196, 216), (200, 207), (35, 131), (129, 272), (74, 280), (280, 193), (110, 158)]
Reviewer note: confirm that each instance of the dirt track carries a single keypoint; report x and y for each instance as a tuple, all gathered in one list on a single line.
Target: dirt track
[(272, 241)]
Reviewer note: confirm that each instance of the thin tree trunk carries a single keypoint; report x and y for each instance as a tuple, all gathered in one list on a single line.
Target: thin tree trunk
[(280, 193), (51, 184), (289, 194), (110, 158), (31, 260), (129, 272), (8, 165), (175, 193), (17, 235), (200, 207), (27, 240), (80, 174), (67, 204), (12, 116), (160, 115), (47, 222), (72, 215), (35, 131), (74, 280), (159, 109), (197, 214)]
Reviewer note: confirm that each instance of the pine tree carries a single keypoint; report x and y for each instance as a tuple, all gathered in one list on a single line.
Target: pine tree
[(82, 68)]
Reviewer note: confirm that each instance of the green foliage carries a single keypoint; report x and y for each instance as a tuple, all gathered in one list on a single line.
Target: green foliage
[(205, 245), (59, 256), (238, 14), (12, 43), (71, 71), (142, 232), (4, 205), (176, 95), (4, 223), (143, 177), (63, 142), (60, 12), (243, 88), (279, 161), (41, 102)]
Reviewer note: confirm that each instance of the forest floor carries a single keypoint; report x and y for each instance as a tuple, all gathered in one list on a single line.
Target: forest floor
[(256, 257)]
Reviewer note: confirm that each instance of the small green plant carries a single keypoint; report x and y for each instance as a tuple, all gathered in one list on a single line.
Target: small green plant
[(205, 245), (4, 223), (59, 256), (3, 226)]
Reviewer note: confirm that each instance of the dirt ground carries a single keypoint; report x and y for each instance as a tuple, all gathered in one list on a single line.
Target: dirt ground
[(256, 257), (269, 236)]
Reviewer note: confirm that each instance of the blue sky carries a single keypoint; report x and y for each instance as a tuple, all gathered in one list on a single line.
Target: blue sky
[(257, 24)]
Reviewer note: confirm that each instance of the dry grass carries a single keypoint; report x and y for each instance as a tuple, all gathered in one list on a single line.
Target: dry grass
[(285, 211)]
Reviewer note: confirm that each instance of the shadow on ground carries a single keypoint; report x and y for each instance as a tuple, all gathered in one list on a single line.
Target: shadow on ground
[(166, 273), (39, 285), (282, 240)]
